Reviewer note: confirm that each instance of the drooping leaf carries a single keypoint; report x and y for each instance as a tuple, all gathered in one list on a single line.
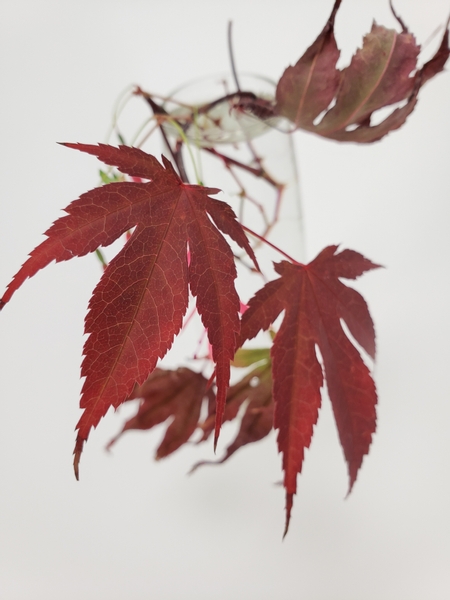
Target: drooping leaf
[(382, 73), (170, 394), (315, 301), (257, 421), (138, 306)]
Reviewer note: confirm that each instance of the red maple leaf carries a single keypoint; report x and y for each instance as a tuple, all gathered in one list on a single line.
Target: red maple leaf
[(138, 306), (382, 73), (315, 302), (178, 394)]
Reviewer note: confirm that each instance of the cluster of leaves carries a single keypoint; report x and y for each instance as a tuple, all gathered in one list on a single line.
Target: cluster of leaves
[(177, 246)]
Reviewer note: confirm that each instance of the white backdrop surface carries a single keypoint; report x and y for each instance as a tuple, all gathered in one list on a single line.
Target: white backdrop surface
[(133, 528)]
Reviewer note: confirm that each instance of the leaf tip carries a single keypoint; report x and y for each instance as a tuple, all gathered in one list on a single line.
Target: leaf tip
[(289, 502), (160, 454), (111, 443), (199, 464), (352, 474), (76, 462), (76, 457), (218, 423), (194, 468)]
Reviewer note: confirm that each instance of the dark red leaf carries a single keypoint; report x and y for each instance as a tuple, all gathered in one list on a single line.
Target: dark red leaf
[(315, 302), (138, 306), (178, 394)]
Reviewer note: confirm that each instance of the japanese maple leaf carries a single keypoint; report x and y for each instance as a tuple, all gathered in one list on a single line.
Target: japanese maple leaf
[(382, 73), (315, 302), (178, 394), (138, 306)]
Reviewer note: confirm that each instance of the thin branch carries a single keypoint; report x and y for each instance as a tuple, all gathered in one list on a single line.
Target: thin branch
[(260, 237)]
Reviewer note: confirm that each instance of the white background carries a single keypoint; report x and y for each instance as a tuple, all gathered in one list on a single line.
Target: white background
[(133, 528)]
